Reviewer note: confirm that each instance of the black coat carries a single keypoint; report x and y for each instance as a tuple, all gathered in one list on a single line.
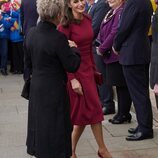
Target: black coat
[(49, 127), (154, 52), (132, 37)]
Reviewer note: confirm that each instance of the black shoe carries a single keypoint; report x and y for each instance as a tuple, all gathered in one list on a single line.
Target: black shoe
[(4, 72), (122, 119), (15, 72), (20, 72), (114, 118), (133, 130), (107, 111), (11, 70), (139, 136)]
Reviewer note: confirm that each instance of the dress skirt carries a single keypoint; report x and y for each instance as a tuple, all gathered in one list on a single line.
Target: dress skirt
[(85, 109)]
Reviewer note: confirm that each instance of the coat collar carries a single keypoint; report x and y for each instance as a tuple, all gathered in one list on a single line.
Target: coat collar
[(46, 24), (111, 13)]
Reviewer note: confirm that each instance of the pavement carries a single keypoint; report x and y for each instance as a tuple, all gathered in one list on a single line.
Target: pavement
[(13, 124)]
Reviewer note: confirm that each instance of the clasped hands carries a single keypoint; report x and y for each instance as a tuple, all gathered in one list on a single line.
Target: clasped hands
[(76, 86), (98, 52), (115, 52)]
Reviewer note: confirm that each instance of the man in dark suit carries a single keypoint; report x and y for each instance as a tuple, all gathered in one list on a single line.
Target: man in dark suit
[(132, 44), (29, 15), (97, 10), (29, 18), (154, 56)]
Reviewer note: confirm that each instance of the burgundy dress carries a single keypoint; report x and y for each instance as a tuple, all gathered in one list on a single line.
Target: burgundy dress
[(85, 109)]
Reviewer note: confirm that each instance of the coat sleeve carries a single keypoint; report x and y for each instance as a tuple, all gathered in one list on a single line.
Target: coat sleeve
[(127, 20), (27, 58), (66, 31), (69, 57), (156, 74), (22, 14)]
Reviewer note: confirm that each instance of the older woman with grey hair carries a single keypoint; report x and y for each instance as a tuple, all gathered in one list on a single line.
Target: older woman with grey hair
[(49, 10), (49, 55)]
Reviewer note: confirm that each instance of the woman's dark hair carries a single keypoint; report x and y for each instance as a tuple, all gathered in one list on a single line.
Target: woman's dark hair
[(68, 15)]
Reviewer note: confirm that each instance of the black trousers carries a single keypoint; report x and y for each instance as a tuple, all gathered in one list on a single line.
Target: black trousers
[(18, 56), (124, 100), (137, 79)]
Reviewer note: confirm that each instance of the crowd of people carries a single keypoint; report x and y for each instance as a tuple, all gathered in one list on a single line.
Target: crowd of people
[(65, 44), (11, 38)]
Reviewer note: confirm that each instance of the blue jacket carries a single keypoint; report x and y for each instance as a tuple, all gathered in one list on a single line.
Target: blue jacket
[(5, 24), (15, 31)]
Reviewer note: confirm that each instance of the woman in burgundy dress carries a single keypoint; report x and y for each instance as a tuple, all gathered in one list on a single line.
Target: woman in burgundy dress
[(85, 105)]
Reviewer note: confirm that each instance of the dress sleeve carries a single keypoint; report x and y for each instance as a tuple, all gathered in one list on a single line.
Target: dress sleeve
[(92, 59)]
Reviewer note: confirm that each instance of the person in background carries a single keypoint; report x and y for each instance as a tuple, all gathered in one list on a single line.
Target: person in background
[(132, 44), (16, 39), (97, 11), (150, 30), (154, 55), (49, 125), (85, 104), (29, 16), (3, 1), (5, 24), (114, 73)]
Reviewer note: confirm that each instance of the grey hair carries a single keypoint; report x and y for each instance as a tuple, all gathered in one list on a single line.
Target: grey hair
[(49, 9)]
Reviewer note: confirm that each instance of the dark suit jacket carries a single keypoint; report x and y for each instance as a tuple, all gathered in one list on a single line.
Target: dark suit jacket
[(29, 18), (154, 52), (97, 13), (29, 14), (132, 40)]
